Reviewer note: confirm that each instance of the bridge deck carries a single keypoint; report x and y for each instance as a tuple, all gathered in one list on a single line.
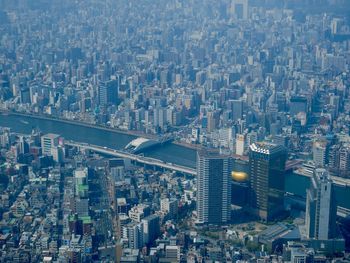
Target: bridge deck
[(134, 157)]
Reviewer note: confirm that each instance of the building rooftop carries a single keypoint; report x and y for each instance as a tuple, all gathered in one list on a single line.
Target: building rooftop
[(51, 135), (266, 148)]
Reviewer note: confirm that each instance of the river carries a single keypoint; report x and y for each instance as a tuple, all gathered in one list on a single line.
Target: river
[(169, 152)]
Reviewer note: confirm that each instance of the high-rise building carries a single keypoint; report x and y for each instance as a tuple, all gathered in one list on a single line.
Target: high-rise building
[(344, 158), (213, 120), (240, 144), (334, 157), (339, 159), (49, 141), (133, 235), (298, 104), (195, 134), (117, 167), (151, 228), (321, 209), (240, 9), (267, 166), (319, 151), (335, 102), (58, 153), (236, 106), (108, 92), (213, 188), (335, 25), (80, 182), (81, 206), (159, 117), (24, 96), (23, 145), (137, 213), (169, 206)]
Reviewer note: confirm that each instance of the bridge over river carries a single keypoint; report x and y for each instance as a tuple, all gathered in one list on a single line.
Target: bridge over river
[(134, 157)]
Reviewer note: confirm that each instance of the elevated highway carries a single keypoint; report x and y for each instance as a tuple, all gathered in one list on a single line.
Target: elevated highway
[(133, 157)]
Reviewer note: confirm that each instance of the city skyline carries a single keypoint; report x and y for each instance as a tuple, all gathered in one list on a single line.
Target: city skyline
[(174, 131)]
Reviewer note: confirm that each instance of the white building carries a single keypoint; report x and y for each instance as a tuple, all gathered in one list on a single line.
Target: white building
[(240, 144), (319, 151), (172, 252), (49, 141), (344, 158), (133, 235), (137, 213), (320, 207)]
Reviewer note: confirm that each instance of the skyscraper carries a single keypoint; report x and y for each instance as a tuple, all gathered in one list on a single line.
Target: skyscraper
[(266, 165), (213, 188), (321, 209), (108, 92)]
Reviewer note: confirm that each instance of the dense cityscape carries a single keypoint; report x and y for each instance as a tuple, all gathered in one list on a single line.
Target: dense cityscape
[(175, 131)]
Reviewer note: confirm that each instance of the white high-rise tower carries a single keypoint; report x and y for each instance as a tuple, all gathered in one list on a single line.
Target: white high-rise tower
[(321, 208)]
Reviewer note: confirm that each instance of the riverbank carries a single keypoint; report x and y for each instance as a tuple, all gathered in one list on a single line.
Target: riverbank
[(168, 152), (173, 153), (96, 126), (79, 123), (187, 145)]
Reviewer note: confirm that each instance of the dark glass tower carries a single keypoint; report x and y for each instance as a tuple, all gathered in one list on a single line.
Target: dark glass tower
[(266, 168), (213, 188)]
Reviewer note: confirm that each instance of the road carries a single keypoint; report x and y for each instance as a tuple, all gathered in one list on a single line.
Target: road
[(134, 157)]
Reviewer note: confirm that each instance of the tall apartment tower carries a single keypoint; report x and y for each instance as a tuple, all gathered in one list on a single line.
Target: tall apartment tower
[(267, 166), (321, 209), (213, 188)]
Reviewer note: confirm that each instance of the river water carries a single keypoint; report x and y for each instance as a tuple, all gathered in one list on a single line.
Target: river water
[(169, 152)]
